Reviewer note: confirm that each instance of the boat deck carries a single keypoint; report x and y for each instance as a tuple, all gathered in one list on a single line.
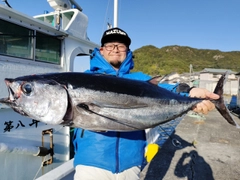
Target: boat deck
[(210, 149)]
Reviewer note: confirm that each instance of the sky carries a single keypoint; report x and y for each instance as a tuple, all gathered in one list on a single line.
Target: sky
[(201, 24)]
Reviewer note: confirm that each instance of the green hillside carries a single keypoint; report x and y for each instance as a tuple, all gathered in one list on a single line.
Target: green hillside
[(160, 61)]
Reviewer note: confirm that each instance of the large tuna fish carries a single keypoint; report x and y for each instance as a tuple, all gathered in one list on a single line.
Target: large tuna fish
[(100, 102)]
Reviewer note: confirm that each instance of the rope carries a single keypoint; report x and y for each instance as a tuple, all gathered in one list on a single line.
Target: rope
[(39, 168), (104, 26)]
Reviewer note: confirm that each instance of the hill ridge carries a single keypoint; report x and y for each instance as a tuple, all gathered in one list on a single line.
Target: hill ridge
[(159, 61)]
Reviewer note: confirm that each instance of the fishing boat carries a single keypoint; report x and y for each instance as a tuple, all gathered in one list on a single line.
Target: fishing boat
[(45, 43)]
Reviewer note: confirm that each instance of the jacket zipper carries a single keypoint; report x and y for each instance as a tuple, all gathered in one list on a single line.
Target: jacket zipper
[(117, 152)]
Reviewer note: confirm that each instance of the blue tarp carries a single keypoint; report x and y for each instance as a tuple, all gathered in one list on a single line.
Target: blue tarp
[(233, 103)]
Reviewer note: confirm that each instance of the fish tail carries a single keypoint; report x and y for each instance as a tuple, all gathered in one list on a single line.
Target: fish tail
[(219, 103)]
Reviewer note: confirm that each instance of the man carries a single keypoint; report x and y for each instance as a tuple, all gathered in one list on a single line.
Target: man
[(118, 155)]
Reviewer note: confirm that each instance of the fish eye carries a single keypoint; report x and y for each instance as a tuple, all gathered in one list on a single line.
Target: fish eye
[(27, 88)]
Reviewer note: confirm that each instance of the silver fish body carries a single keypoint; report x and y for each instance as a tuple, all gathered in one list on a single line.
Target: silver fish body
[(98, 102)]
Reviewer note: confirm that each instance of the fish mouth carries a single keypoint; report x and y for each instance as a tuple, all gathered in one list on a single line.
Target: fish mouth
[(6, 101), (11, 92), (9, 101), (13, 105), (12, 98)]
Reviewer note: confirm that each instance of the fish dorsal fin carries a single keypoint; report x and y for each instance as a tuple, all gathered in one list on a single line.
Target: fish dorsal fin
[(160, 79), (155, 80)]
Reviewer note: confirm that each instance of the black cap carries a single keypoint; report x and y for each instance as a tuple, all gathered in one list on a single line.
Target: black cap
[(115, 34)]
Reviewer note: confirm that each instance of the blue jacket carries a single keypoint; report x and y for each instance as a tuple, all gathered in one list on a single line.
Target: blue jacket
[(113, 151)]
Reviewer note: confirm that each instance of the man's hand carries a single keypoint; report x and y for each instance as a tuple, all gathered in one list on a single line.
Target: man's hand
[(205, 106)]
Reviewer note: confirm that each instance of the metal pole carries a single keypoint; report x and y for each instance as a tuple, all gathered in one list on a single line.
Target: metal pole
[(115, 24), (190, 77)]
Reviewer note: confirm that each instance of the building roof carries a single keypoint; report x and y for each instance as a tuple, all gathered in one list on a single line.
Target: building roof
[(217, 71)]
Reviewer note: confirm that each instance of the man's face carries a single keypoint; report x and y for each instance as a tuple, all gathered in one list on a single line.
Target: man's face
[(115, 53)]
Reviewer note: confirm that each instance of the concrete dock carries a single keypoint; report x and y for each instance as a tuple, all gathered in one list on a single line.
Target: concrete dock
[(209, 149)]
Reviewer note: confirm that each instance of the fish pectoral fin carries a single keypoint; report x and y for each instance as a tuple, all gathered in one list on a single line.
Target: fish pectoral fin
[(90, 109), (107, 104)]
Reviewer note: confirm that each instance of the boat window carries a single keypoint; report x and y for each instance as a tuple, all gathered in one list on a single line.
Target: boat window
[(15, 40), (48, 48), (18, 41)]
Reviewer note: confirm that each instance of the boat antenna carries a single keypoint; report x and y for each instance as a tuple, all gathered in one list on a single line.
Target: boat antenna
[(76, 5), (7, 3), (115, 13)]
